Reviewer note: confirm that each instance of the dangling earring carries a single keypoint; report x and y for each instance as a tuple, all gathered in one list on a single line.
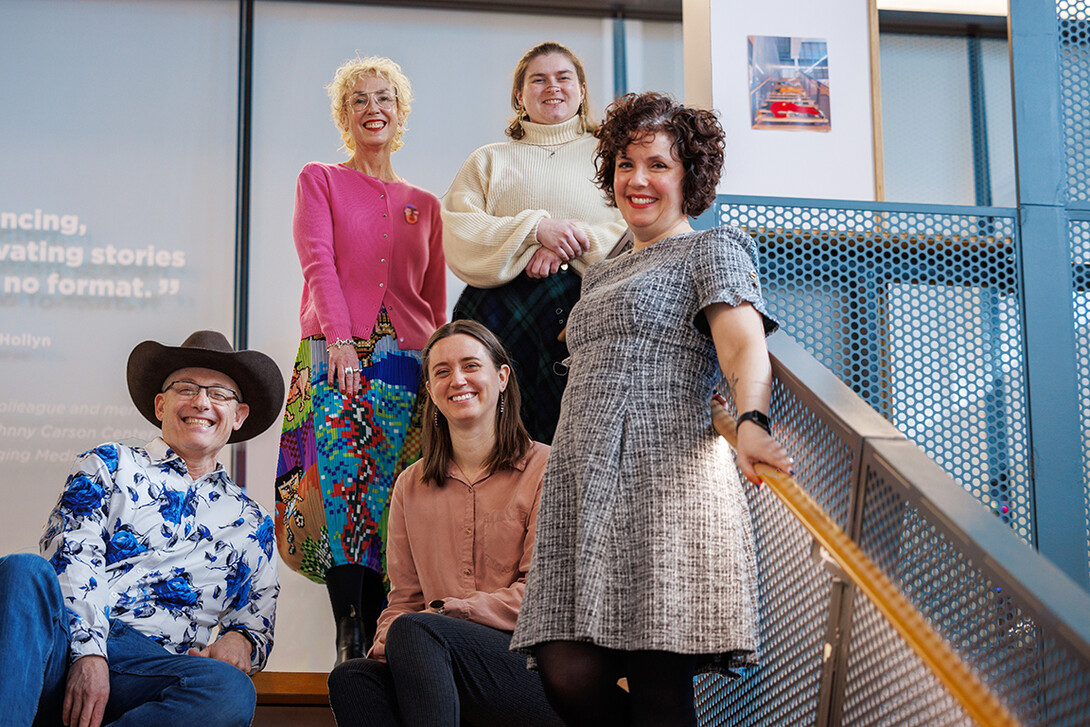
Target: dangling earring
[(501, 403), (435, 417)]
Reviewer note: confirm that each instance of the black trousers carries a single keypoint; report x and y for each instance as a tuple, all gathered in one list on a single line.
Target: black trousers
[(440, 671)]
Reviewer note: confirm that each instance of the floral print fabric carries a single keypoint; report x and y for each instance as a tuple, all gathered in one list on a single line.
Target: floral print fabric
[(134, 538)]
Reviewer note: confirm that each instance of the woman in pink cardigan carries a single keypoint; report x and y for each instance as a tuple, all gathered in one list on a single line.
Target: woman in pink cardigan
[(370, 246), (462, 527)]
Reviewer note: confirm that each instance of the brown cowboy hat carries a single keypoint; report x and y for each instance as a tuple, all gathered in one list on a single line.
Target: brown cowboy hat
[(258, 377)]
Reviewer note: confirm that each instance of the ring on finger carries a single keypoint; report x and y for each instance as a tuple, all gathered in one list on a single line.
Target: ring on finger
[(350, 370)]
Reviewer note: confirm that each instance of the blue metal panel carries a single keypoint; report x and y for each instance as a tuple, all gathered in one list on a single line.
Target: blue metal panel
[(1035, 73), (620, 56), (1050, 355), (982, 174)]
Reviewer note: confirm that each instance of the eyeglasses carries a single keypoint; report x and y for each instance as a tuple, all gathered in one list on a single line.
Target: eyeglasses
[(384, 99), (189, 390)]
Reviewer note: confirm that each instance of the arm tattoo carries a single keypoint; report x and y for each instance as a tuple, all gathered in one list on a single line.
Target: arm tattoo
[(732, 386)]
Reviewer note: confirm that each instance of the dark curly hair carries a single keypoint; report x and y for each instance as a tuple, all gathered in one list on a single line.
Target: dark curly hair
[(698, 143)]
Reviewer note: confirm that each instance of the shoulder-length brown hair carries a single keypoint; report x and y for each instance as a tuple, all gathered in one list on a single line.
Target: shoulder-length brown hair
[(697, 136), (512, 439), (514, 129)]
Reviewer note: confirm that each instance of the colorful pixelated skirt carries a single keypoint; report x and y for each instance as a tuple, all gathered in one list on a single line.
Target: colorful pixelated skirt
[(340, 455)]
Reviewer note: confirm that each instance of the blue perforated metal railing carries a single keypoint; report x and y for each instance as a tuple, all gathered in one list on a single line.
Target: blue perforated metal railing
[(1073, 25), (1079, 234), (916, 308), (828, 656), (1073, 36)]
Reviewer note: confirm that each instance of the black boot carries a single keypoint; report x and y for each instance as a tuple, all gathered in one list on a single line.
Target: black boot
[(345, 584), (373, 598), (350, 639)]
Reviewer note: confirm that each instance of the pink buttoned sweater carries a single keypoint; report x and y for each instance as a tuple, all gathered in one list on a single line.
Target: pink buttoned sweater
[(364, 243)]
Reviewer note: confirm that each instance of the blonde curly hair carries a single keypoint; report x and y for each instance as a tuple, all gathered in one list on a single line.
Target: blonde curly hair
[(345, 79)]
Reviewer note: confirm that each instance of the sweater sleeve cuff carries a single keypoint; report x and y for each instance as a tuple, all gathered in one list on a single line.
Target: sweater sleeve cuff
[(532, 237), (332, 337)]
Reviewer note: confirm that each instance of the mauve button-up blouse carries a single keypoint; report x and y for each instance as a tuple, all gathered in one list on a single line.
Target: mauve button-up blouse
[(468, 544)]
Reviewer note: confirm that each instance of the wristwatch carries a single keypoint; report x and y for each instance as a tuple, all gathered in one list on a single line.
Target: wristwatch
[(437, 606), (757, 417)]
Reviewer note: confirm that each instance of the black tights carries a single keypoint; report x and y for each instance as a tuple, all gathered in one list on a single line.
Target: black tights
[(581, 684)]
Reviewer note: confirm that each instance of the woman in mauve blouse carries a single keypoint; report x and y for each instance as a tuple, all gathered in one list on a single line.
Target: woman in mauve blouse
[(461, 532)]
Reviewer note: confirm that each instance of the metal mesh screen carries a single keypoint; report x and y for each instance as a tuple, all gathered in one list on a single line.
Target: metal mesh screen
[(887, 683), (784, 689), (1038, 679), (917, 310), (933, 152), (1073, 17), (1079, 235), (929, 70), (1074, 37)]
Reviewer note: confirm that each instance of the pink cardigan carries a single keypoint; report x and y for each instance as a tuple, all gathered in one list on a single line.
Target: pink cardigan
[(468, 544), (363, 243)]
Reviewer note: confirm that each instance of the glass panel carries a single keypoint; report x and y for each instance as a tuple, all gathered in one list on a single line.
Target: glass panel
[(116, 217)]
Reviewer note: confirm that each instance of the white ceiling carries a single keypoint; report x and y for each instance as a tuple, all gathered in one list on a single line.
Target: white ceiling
[(968, 7)]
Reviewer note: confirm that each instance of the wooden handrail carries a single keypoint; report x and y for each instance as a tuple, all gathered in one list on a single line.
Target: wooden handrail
[(962, 683)]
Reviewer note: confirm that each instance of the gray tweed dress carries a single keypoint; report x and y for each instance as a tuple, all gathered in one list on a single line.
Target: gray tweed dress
[(644, 539)]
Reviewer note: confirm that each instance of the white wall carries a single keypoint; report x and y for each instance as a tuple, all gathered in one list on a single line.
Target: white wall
[(838, 164)]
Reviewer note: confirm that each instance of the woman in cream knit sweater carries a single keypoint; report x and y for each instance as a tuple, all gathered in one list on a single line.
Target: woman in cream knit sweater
[(523, 219)]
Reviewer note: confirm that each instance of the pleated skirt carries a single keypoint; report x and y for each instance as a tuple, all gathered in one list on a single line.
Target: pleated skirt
[(340, 454)]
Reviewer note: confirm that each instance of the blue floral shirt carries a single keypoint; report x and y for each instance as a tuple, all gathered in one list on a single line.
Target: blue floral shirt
[(134, 538)]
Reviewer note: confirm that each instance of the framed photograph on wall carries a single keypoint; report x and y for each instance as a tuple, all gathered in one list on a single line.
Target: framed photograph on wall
[(789, 83)]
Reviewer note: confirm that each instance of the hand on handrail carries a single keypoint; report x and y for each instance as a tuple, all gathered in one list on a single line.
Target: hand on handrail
[(962, 683), (762, 448)]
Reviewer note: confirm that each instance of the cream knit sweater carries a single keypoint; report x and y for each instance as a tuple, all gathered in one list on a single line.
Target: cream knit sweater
[(492, 209)]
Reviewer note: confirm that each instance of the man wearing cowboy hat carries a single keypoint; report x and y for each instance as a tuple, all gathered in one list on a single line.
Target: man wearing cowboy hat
[(148, 549)]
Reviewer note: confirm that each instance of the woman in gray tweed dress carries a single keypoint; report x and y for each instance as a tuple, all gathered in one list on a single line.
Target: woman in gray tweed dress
[(644, 565)]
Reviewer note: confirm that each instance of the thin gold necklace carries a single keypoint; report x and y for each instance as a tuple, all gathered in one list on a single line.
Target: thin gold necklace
[(551, 149)]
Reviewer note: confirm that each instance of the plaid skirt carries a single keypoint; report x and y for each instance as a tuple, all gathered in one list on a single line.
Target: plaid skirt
[(340, 454), (527, 315)]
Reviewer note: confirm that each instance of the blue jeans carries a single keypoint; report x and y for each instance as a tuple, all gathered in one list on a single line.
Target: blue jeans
[(148, 684), (440, 672)]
